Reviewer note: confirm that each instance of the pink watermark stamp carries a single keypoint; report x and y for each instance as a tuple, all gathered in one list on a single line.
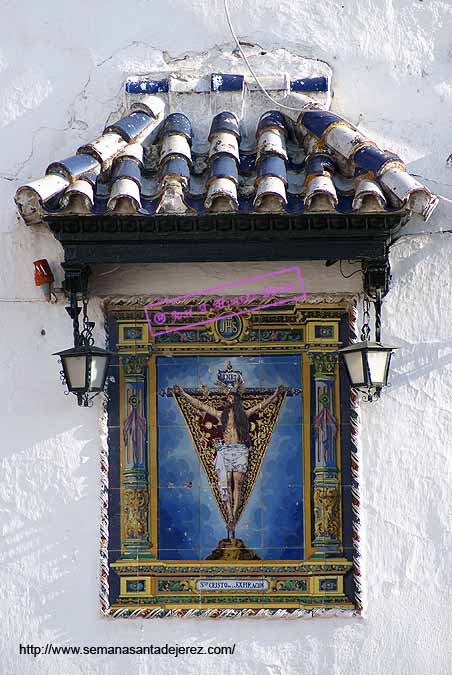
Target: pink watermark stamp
[(163, 317)]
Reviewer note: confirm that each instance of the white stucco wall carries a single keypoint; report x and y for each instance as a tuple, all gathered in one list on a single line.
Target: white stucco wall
[(61, 74)]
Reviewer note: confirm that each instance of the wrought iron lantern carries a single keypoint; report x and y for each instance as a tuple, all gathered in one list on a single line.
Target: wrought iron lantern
[(367, 363), (84, 366)]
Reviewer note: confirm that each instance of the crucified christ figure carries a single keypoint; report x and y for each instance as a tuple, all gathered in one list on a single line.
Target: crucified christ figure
[(231, 461)]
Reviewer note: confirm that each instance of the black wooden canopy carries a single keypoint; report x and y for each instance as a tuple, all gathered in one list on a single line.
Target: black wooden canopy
[(90, 239)]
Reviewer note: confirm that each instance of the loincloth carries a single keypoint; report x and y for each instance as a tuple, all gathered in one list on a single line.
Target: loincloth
[(230, 457)]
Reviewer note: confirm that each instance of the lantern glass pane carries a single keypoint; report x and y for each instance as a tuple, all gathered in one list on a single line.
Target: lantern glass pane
[(355, 368), (76, 371), (377, 366), (98, 371)]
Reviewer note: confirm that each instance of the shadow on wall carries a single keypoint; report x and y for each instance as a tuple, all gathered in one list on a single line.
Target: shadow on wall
[(419, 360)]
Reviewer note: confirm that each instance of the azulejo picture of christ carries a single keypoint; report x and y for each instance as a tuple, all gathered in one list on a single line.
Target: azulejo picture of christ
[(233, 463), (229, 469)]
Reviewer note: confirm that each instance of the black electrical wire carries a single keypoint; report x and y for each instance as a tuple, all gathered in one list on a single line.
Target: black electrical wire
[(347, 276)]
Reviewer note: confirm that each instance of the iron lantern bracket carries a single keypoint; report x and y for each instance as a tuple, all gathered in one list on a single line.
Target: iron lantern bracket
[(76, 277), (75, 284), (377, 277)]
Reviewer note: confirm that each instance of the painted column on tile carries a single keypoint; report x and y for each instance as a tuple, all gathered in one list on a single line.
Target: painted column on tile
[(134, 442), (326, 488)]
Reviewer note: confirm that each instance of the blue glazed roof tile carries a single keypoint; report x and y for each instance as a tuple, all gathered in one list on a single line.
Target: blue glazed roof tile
[(226, 82), (310, 84), (318, 163), (131, 126), (74, 166), (147, 87)]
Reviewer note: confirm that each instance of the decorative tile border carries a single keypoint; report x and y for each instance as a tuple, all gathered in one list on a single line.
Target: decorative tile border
[(131, 612)]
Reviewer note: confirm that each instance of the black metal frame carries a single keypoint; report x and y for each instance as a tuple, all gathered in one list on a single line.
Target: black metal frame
[(367, 383), (86, 393)]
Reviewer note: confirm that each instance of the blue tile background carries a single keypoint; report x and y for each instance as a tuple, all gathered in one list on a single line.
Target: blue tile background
[(190, 523)]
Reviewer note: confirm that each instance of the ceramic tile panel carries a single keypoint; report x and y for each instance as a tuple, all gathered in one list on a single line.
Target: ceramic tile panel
[(230, 466)]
